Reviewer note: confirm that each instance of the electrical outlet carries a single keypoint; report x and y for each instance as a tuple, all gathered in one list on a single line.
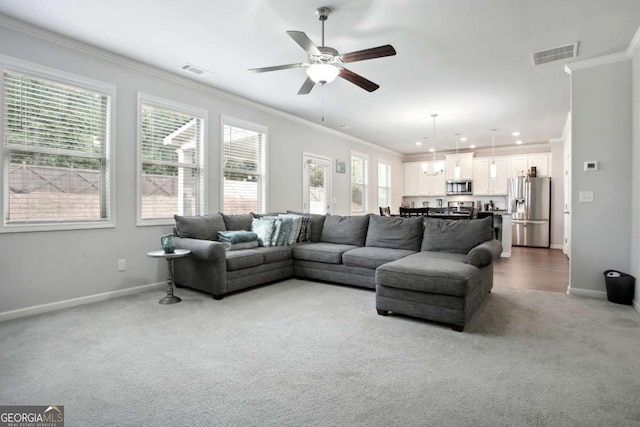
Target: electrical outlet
[(585, 197), (122, 264)]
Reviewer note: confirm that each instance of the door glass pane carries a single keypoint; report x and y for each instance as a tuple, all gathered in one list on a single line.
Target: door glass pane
[(317, 189)]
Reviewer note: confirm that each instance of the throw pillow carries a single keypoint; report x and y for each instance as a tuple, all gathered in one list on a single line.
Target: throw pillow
[(203, 227), (264, 230), (296, 227), (285, 229), (305, 230), (456, 235), (277, 231), (317, 222)]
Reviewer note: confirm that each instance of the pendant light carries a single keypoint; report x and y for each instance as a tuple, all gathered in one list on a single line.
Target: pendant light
[(435, 171), (456, 170), (492, 169)]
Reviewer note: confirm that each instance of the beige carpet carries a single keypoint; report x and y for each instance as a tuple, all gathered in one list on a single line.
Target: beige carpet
[(300, 353)]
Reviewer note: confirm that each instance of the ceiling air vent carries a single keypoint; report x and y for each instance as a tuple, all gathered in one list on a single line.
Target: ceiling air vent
[(555, 54), (193, 69)]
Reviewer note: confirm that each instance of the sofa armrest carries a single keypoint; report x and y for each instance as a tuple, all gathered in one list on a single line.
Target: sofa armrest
[(483, 254), (205, 250)]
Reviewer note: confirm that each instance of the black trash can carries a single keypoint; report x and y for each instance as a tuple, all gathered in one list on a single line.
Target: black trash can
[(620, 287)]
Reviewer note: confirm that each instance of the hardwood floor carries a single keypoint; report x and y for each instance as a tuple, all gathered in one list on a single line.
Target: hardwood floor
[(533, 268)]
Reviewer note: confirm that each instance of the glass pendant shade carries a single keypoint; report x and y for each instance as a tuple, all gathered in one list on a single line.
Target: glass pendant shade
[(323, 73), (456, 172), (492, 170)]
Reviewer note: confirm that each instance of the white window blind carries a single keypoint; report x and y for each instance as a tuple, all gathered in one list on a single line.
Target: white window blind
[(358, 183), (243, 169), (384, 184), (171, 158), (55, 150)]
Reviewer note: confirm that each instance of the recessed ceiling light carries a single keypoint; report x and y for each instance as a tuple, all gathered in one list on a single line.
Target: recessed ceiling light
[(431, 150), (472, 146), (519, 142), (516, 133), (418, 143), (463, 139)]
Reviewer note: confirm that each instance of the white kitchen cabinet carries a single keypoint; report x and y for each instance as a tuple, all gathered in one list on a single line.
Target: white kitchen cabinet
[(465, 160), (520, 165), (411, 179), (432, 185), (483, 184)]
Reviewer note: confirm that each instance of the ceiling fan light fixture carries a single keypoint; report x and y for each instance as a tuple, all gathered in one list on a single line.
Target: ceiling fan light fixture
[(323, 73)]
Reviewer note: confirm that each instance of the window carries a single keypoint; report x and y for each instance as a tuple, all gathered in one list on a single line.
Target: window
[(56, 150), (384, 184), (171, 160), (359, 182), (244, 166)]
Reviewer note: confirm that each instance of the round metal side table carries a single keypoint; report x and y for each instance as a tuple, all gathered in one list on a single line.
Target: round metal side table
[(170, 298)]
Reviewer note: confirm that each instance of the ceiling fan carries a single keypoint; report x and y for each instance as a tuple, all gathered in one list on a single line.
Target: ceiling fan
[(324, 63)]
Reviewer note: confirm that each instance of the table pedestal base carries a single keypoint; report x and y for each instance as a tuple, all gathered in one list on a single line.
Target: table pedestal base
[(170, 299)]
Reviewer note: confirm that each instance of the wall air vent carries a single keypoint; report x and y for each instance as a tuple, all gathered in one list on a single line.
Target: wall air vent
[(195, 70), (554, 54)]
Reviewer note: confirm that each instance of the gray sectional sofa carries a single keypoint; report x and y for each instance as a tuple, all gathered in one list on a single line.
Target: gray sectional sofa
[(435, 269)]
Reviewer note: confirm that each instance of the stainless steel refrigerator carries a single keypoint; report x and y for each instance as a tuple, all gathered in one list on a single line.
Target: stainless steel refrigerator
[(530, 208)]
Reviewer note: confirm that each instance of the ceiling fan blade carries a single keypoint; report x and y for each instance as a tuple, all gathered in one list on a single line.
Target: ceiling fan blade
[(358, 80), (275, 68), (306, 86), (374, 52), (304, 42)]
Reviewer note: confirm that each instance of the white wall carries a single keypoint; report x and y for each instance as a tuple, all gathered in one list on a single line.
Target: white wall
[(635, 189), (601, 131), (48, 267)]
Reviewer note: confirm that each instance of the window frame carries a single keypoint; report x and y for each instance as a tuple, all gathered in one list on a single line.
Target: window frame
[(388, 166), (108, 192), (263, 198), (365, 183), (145, 98)]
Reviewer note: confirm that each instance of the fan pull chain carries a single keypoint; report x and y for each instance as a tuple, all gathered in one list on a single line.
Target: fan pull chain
[(322, 97)]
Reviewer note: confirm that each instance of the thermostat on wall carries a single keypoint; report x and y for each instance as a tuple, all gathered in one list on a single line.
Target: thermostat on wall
[(591, 166)]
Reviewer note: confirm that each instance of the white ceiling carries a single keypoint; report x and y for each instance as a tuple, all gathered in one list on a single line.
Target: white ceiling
[(467, 60)]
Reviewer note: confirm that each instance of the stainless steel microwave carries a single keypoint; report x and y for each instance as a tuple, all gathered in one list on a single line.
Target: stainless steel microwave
[(459, 187)]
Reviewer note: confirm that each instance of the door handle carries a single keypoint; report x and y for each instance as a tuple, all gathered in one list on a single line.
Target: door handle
[(566, 212)]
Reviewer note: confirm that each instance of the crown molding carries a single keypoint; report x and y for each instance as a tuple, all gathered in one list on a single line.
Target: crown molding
[(59, 39), (594, 62)]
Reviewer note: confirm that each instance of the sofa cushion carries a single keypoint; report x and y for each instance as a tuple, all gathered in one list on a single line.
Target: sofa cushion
[(276, 253), (395, 232), (238, 221), (321, 252), (372, 257), (245, 258), (203, 227), (345, 230), (456, 235), (421, 272)]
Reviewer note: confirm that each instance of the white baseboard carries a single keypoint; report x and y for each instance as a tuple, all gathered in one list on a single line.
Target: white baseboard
[(58, 305), (557, 247), (587, 293), (505, 254)]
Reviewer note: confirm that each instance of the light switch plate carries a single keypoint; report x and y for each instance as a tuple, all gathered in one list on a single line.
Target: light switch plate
[(585, 197)]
